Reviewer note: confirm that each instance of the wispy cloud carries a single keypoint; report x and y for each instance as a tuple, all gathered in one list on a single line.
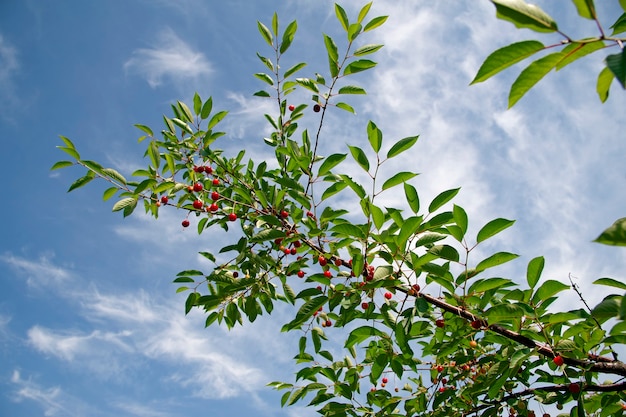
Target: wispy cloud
[(47, 398), (170, 58), (9, 67), (39, 272)]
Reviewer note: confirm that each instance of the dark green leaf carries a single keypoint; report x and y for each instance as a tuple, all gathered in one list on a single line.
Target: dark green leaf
[(206, 108), (605, 78), (360, 157), (620, 25), (492, 228), (548, 289), (345, 107), (294, 69), (442, 199), (524, 15), (412, 197), (505, 57), (532, 74), (615, 235), (333, 56), (533, 272), (488, 284), (333, 189), (360, 334), (607, 309), (401, 146), (288, 36), (351, 89), (82, 181), (358, 66), (375, 136), (495, 260), (611, 283), (330, 162), (617, 64), (460, 218), (445, 252), (399, 178)]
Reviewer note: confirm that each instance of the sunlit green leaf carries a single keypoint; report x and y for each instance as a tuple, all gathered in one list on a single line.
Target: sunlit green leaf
[(548, 289), (358, 66), (61, 164), (367, 49), (342, 17), (493, 228), (614, 235), (533, 272), (374, 23), (265, 33), (397, 179), (442, 199), (505, 57), (605, 78), (294, 69), (264, 77), (360, 157), (585, 8), (611, 283), (532, 74), (495, 260), (345, 107), (288, 36), (412, 197), (375, 136), (620, 25), (123, 203), (524, 15), (330, 162), (401, 146), (351, 89)]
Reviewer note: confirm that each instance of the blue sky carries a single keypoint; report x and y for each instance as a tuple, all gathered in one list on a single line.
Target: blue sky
[(89, 322)]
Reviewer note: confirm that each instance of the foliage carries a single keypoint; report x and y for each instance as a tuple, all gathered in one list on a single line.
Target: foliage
[(528, 16), (373, 340)]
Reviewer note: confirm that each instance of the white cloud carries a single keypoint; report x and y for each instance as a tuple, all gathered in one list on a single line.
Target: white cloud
[(40, 272), (9, 67), (48, 399), (171, 58)]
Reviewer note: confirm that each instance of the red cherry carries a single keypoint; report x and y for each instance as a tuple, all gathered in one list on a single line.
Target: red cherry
[(208, 169), (440, 323), (388, 295), (338, 262), (185, 223), (317, 108), (440, 368), (232, 217), (301, 274), (292, 107), (322, 260), (442, 389), (329, 323), (297, 244), (197, 204), (328, 274), (284, 214), (558, 360), (364, 305), (278, 240), (215, 195), (216, 181), (476, 324), (235, 274), (197, 187), (285, 250), (293, 251), (309, 214), (213, 207), (574, 388), (319, 288), (164, 199), (385, 380)]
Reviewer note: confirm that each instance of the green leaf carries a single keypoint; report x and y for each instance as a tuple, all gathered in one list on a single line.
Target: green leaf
[(524, 15), (333, 56), (446, 252), (375, 136), (611, 283), (308, 84), (607, 309), (460, 218), (360, 157), (576, 51), (123, 203), (288, 36), (145, 129), (493, 228), (294, 69), (503, 312), (374, 23), (348, 230), (585, 8), (333, 189), (353, 31), (532, 74), (197, 103), (109, 192), (265, 32), (495, 260), (70, 151), (377, 216), (484, 285), (399, 178), (185, 111), (505, 57), (305, 312), (61, 164), (330, 162), (113, 174), (412, 197), (358, 66), (264, 77), (620, 25), (67, 142), (191, 301), (342, 17), (82, 181), (351, 89), (401, 146), (361, 334), (617, 64), (367, 49), (605, 78), (217, 117), (345, 107), (442, 199), (615, 235), (533, 272), (548, 289), (206, 108)]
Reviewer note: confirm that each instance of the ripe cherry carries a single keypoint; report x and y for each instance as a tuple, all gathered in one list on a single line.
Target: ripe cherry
[(388, 295), (293, 251), (292, 107), (185, 223), (364, 305), (208, 169), (338, 262), (284, 214), (164, 199), (329, 323), (216, 181), (309, 214), (197, 168), (300, 274), (384, 380), (215, 195), (213, 207), (440, 368), (328, 274), (442, 389), (197, 204), (232, 217), (235, 274), (197, 187), (574, 388), (322, 260), (476, 324), (440, 323), (317, 108), (297, 244), (558, 360)]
